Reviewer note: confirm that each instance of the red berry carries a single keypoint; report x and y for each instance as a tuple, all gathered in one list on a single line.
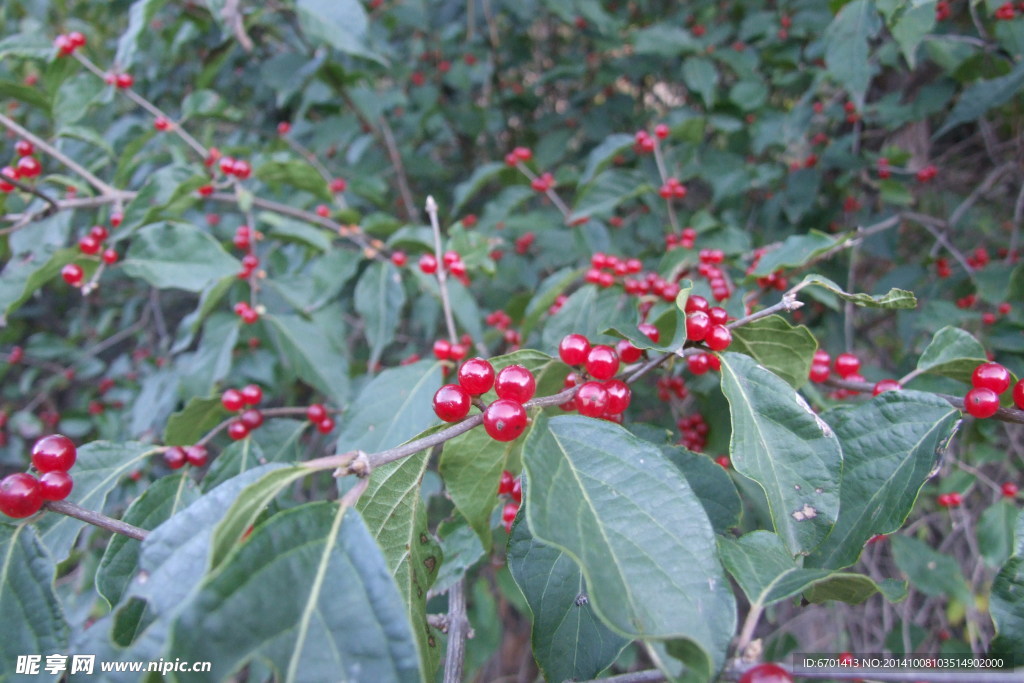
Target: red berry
[(24, 148), (515, 383), (718, 315), (1018, 394), (766, 673), (661, 131), (338, 185), (232, 399), (476, 376), (457, 351), (124, 80), (602, 362), (252, 418), (627, 352), (819, 372), (251, 394), (697, 326), (323, 210), (55, 452), (72, 274), (719, 337), (506, 482), (99, 232), (89, 245), (991, 376), (592, 399), (517, 490), (697, 363), (55, 485), (505, 420), (650, 331), (452, 403), (7, 172), (76, 39), (20, 495), (237, 430), (242, 169), (29, 167), (196, 455), (884, 385), (847, 364), (325, 426), (981, 402), (822, 356), (316, 412), (428, 264), (573, 349), (399, 258), (619, 395), (161, 123), (697, 303), (442, 349), (724, 461), (1010, 489), (508, 515), (174, 457)]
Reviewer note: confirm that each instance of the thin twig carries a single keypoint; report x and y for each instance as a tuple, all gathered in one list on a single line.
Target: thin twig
[(990, 180), (53, 206), (933, 225), (457, 632), (388, 136), (442, 276), (96, 519)]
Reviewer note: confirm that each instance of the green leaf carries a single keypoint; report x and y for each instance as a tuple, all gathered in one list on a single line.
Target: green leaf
[(607, 191), (20, 91), (278, 440), (767, 573), (795, 251), (780, 443), (670, 322), (701, 76), (341, 24), (28, 45), (638, 533), (100, 467), (468, 188), (21, 278), (894, 298), (588, 311), (140, 14), (393, 408), (570, 643), (847, 49), (313, 354), (889, 448), (74, 98), (664, 41), (461, 548), (334, 611), (297, 174), (778, 346), (982, 95), (911, 28), (246, 508), (931, 572), (379, 299), (33, 620), (995, 532), (1005, 603), (603, 154), (172, 255), (854, 589), (711, 484), (188, 425), (952, 352), (157, 504), (320, 282), (395, 516)]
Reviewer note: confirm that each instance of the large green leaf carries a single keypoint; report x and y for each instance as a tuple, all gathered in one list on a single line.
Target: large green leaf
[(393, 511), (952, 352), (394, 407), (889, 448), (795, 251), (767, 573), (847, 50), (646, 549), (171, 255), (379, 299), (775, 344), (701, 76), (779, 442), (569, 641), (711, 484), (100, 467), (930, 571), (894, 298), (982, 95), (341, 24), (327, 606), (911, 28), (157, 504), (33, 621), (298, 174), (313, 353)]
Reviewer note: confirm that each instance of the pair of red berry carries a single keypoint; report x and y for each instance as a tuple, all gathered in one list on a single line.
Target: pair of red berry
[(247, 313), (950, 500), (513, 487), (988, 381), (244, 400), (317, 414), (22, 494), (177, 457), (599, 361), (504, 419), (607, 399)]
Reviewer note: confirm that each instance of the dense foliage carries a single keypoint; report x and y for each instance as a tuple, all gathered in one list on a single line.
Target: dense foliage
[(246, 244)]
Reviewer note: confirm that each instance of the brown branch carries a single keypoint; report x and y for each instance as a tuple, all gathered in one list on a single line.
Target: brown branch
[(388, 136), (458, 625), (96, 519)]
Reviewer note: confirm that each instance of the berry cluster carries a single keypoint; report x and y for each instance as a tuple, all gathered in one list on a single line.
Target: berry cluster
[(235, 167), (243, 400), (27, 166), (988, 382), (504, 419), (672, 189), (22, 494), (601, 396), (453, 265), (445, 350), (68, 43), (1005, 12), (177, 457), (693, 432), (247, 313), (706, 323), (518, 155), (542, 183), (512, 487), (317, 414)]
